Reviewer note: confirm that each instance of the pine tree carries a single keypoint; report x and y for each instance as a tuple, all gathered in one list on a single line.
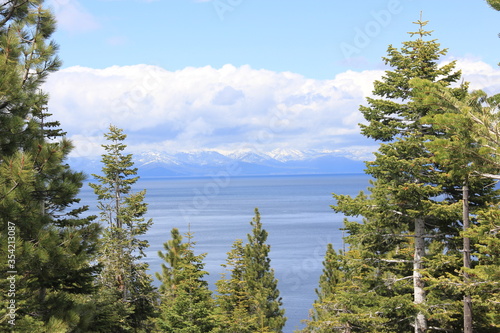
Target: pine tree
[(123, 277), (186, 301), (485, 274), (327, 312), (174, 249), (54, 245), (405, 221), (234, 300), (260, 280), (248, 299), (27, 57), (467, 150)]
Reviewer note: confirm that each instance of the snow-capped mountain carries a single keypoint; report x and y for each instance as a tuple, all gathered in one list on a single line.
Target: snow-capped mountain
[(252, 157), (285, 155), (154, 157), (208, 158), (205, 163)]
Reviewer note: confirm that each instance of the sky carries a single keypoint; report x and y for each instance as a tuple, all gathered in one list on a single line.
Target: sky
[(256, 75)]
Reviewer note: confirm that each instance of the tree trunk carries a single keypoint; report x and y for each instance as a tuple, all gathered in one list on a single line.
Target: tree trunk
[(117, 202), (467, 297), (418, 284)]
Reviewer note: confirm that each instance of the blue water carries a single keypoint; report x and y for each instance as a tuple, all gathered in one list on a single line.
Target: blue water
[(295, 210)]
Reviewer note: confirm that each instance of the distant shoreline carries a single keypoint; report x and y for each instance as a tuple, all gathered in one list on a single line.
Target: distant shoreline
[(146, 177)]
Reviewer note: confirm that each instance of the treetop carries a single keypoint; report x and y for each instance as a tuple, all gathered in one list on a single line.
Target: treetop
[(421, 32)]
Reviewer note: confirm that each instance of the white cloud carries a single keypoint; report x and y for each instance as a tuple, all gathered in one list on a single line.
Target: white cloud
[(228, 96), (480, 75), (223, 109)]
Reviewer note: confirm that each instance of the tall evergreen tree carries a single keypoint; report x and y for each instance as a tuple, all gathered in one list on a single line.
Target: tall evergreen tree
[(468, 150), (406, 223), (260, 280), (234, 301), (325, 314), (54, 245), (123, 276), (389, 119), (186, 301)]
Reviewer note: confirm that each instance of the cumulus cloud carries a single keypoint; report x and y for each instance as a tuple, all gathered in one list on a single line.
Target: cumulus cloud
[(230, 108), (480, 75)]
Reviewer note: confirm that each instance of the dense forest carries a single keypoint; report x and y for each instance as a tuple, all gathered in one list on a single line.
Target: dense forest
[(423, 248)]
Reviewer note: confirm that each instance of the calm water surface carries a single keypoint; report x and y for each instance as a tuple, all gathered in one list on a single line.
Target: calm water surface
[(295, 210)]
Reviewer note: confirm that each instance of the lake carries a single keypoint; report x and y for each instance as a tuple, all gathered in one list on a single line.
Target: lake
[(295, 211)]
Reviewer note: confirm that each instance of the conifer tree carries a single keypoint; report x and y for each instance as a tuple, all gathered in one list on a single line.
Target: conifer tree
[(260, 280), (234, 300), (484, 285), (405, 222), (174, 249), (123, 277), (399, 168), (186, 301), (467, 150), (327, 312), (54, 245), (332, 274)]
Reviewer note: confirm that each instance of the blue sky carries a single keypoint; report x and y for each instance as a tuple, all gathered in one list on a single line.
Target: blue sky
[(217, 74), (303, 37)]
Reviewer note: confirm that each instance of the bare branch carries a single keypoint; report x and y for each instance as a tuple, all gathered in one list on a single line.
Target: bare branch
[(489, 175)]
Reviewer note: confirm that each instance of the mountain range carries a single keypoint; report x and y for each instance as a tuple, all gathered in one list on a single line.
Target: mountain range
[(244, 163)]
